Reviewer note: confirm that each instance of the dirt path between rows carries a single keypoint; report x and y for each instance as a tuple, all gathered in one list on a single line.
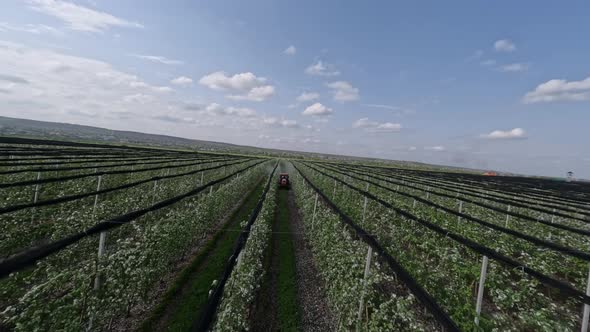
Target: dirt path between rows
[(315, 312), (137, 321), (264, 311)]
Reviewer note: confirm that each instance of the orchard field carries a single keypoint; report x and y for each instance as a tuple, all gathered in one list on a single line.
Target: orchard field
[(102, 237)]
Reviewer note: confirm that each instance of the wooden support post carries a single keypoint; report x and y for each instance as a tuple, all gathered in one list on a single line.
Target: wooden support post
[(99, 182), (101, 249), (240, 257), (586, 307), (365, 204), (507, 215), (36, 196), (480, 288), (334, 193), (202, 177), (315, 206), (364, 289), (460, 210), (414, 204), (37, 186), (154, 191)]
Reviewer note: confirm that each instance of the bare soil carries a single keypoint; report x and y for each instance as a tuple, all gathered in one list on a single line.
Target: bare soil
[(315, 311)]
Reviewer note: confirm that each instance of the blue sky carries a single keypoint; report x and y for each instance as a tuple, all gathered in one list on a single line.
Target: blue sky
[(498, 85)]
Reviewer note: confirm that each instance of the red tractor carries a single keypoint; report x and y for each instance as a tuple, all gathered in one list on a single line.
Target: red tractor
[(284, 180)]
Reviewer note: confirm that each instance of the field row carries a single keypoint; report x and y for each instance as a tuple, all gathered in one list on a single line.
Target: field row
[(532, 282)]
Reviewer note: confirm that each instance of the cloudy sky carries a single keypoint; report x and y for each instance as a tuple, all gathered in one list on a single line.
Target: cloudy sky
[(499, 85)]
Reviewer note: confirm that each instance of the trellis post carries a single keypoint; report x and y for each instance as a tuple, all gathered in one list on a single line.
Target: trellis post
[(154, 191), (103, 235), (202, 177), (460, 210), (586, 307), (480, 288), (365, 204), (507, 215), (334, 193), (36, 195), (99, 180), (364, 287), (315, 205)]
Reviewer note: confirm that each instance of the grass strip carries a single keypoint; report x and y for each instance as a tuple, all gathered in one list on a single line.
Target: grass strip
[(287, 305), (195, 281)]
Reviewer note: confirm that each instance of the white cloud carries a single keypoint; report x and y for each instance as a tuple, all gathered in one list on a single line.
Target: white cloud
[(49, 85), (308, 96), (171, 118), (216, 109), (138, 84), (291, 50), (310, 140), (514, 67), (504, 45), (559, 90), (396, 110), (182, 80), (312, 128), (343, 91), (260, 93), (387, 107), (374, 126), (249, 86), (363, 123), (164, 89), (78, 17), (388, 127), (13, 79), (272, 121), (489, 62), (435, 148), (289, 123), (241, 82), (139, 98), (321, 69), (412, 148), (516, 133), (318, 109), (476, 55), (158, 59), (36, 29)]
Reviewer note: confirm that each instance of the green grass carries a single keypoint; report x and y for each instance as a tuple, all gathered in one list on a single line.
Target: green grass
[(215, 254), (287, 306)]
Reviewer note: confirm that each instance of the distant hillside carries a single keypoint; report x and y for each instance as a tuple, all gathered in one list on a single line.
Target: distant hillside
[(66, 131), (74, 132)]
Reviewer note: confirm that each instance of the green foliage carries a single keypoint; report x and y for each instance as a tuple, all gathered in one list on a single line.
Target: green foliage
[(58, 292), (340, 259), (513, 301), (246, 278)]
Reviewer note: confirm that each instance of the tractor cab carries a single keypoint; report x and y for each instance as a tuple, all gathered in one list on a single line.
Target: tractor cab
[(284, 180)]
